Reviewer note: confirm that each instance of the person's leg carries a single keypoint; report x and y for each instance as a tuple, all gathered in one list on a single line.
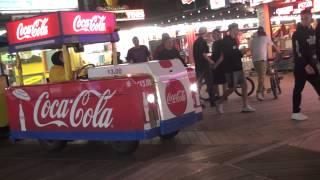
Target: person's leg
[(258, 66), (299, 82), (231, 87), (209, 83), (242, 81), (315, 82)]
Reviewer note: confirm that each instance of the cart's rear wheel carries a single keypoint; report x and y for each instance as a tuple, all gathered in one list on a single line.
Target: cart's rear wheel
[(52, 145), (169, 136), (125, 147)]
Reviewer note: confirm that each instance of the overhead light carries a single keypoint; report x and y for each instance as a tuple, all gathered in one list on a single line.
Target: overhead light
[(199, 11)]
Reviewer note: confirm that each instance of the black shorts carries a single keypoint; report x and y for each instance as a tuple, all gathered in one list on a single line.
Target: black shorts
[(218, 77)]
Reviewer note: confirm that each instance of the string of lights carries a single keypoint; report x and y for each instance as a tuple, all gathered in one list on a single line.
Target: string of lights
[(235, 11)]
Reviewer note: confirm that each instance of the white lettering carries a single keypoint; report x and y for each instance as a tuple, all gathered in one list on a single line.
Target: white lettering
[(95, 24), (83, 112), (37, 29), (178, 97)]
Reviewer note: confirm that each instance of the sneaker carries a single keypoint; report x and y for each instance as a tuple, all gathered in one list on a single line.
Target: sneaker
[(299, 117), (248, 109), (260, 97), (219, 108)]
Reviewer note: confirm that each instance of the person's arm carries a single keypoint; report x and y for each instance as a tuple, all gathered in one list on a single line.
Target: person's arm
[(220, 60), (205, 51), (270, 42), (148, 53)]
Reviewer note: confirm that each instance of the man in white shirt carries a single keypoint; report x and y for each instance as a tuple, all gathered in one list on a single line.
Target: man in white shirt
[(259, 49)]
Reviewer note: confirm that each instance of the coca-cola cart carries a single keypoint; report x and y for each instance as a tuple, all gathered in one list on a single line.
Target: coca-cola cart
[(122, 104)]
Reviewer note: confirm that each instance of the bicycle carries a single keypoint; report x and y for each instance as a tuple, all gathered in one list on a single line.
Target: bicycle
[(204, 93), (273, 73)]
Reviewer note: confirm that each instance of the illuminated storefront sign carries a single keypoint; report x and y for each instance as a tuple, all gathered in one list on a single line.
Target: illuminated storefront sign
[(129, 15), (216, 4), (316, 6), (258, 2), (187, 1), (294, 9)]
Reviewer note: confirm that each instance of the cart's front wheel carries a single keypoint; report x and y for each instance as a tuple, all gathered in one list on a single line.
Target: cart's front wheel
[(52, 145), (169, 136), (125, 147)]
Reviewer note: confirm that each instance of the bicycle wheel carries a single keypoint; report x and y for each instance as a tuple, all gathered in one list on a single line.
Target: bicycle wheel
[(278, 79), (250, 87), (203, 91), (274, 89)]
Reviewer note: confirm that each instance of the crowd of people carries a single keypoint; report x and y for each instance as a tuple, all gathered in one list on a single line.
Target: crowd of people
[(224, 66)]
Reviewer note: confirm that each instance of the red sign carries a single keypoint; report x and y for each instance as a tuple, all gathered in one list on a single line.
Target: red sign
[(74, 23), (176, 97), (32, 29), (100, 106)]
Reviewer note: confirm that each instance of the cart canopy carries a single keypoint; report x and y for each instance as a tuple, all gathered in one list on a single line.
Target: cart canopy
[(55, 29)]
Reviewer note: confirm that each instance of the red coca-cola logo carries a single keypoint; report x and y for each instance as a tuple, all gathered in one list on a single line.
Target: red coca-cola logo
[(37, 29), (94, 24), (176, 97)]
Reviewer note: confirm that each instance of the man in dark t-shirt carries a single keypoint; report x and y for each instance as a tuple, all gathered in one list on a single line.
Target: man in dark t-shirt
[(169, 51), (233, 68), (203, 62), (219, 72), (139, 53)]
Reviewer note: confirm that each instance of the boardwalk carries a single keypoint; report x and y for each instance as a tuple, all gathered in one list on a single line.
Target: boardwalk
[(257, 146)]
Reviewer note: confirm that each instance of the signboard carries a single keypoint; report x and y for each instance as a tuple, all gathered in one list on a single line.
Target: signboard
[(187, 1), (22, 6), (217, 4), (258, 2), (129, 15), (32, 29), (87, 23), (295, 8), (52, 30), (316, 6), (94, 106)]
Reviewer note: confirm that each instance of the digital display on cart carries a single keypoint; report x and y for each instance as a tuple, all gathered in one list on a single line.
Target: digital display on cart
[(25, 6)]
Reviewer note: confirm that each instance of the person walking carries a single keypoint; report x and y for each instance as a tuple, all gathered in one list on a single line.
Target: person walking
[(234, 71), (305, 59), (138, 53), (259, 50), (203, 62), (219, 72)]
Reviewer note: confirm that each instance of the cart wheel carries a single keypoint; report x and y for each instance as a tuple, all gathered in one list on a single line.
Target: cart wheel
[(52, 145), (169, 136), (125, 147)]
